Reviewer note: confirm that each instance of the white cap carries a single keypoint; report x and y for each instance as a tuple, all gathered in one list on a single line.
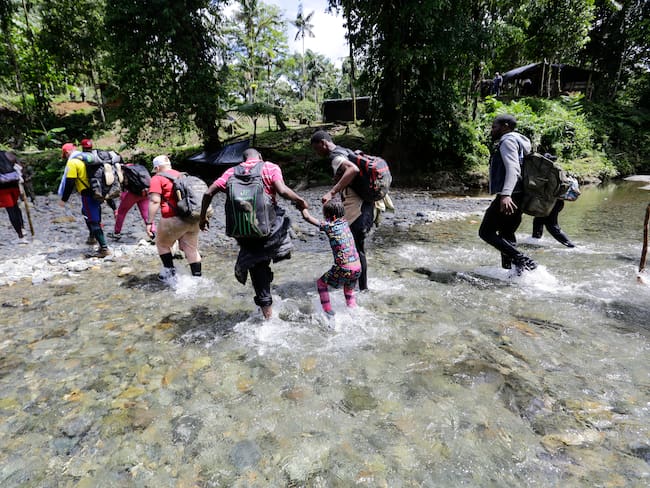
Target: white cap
[(161, 160)]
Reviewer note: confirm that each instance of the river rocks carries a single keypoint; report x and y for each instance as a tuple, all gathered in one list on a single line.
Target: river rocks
[(641, 449), (125, 271), (358, 398), (185, 429), (308, 458), (584, 438), (245, 454), (77, 425), (112, 381)]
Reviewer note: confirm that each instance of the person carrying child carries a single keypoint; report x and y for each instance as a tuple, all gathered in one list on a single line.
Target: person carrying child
[(347, 266)]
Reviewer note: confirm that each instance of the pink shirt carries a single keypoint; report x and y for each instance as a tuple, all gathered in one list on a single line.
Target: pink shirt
[(271, 173)]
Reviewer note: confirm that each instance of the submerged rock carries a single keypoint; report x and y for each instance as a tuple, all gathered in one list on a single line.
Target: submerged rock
[(186, 429), (358, 398), (245, 454)]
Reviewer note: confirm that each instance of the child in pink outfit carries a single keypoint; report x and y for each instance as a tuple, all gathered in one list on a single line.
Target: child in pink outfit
[(347, 267)]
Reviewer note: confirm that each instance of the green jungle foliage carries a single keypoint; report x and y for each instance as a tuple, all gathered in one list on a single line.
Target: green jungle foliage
[(172, 74)]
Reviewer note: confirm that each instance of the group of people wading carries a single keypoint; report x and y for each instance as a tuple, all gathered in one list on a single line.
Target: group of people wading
[(261, 227)]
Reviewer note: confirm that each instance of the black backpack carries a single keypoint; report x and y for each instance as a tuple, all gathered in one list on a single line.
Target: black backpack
[(8, 174), (104, 173), (188, 193), (136, 178), (374, 178), (250, 212)]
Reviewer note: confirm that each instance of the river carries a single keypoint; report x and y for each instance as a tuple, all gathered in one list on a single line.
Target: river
[(451, 372)]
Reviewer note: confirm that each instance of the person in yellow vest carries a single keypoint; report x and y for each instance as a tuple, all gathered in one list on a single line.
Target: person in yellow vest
[(75, 177)]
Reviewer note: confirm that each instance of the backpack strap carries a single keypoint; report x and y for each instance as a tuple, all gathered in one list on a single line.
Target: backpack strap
[(256, 170), (173, 201), (169, 176)]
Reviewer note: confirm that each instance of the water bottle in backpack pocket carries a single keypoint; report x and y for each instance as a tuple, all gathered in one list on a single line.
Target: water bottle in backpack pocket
[(104, 173), (250, 212)]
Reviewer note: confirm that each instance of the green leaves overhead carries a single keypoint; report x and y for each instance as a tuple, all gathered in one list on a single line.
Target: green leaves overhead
[(167, 68)]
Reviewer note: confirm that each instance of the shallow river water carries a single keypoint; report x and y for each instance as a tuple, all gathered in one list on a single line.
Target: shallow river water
[(451, 372)]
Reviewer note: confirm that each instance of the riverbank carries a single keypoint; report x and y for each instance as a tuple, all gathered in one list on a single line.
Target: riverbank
[(58, 247)]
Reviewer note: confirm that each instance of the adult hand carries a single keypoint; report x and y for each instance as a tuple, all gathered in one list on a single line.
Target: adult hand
[(61, 204), (508, 207), (149, 232), (327, 197), (301, 204), (204, 224)]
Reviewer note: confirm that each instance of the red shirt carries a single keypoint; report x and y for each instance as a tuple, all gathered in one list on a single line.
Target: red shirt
[(164, 187)]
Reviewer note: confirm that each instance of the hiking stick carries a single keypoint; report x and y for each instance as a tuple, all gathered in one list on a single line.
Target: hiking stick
[(644, 251), (23, 195)]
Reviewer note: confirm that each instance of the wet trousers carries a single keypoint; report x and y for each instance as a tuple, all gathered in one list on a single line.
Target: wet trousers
[(498, 230), (551, 224), (360, 229), (16, 219), (262, 277), (128, 200)]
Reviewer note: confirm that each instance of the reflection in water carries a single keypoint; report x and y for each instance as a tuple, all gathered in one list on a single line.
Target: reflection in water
[(451, 371)]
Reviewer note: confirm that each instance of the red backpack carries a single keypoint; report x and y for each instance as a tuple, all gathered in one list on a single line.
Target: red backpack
[(374, 178)]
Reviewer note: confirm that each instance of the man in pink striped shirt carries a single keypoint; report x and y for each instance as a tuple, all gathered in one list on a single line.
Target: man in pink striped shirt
[(255, 255)]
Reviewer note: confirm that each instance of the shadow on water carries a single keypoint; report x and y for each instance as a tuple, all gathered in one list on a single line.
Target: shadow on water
[(295, 289), (201, 325), (448, 277), (147, 282), (633, 316)]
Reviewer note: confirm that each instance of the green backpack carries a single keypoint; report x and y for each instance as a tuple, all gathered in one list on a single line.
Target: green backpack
[(544, 181)]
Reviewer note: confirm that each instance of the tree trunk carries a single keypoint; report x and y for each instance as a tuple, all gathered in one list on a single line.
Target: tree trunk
[(304, 78), (98, 94), (353, 75)]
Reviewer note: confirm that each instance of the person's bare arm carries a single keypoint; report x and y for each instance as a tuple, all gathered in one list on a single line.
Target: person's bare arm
[(309, 218), (204, 223), (349, 172), (154, 205), (285, 192)]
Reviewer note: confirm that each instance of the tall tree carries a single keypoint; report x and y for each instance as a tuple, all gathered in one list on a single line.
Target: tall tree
[(257, 38), (168, 68), (305, 28), (618, 43), (7, 9), (556, 31), (80, 50)]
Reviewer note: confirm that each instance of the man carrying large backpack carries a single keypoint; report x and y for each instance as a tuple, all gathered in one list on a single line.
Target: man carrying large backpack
[(75, 176), (253, 217), (172, 226), (95, 160), (358, 212), (503, 216)]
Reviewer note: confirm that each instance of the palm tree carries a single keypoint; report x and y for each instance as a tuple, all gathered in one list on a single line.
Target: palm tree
[(256, 24), (304, 26)]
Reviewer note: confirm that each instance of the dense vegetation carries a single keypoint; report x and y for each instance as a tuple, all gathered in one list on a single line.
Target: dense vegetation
[(158, 71)]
